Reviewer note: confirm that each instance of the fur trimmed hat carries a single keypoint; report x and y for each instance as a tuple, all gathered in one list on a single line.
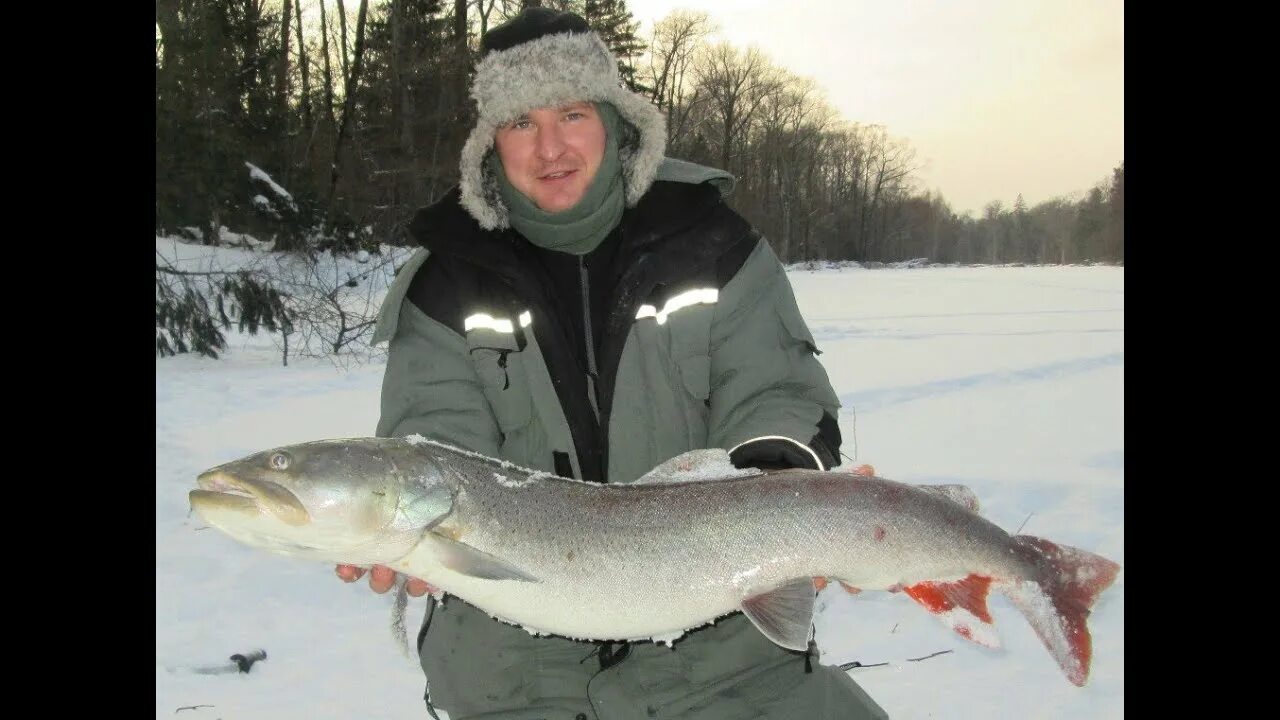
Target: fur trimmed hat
[(544, 58)]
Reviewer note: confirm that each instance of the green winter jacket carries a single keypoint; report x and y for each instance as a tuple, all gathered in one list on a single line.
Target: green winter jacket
[(695, 340)]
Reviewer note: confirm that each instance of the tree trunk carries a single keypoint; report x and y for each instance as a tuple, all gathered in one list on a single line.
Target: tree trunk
[(282, 91), (342, 54), (728, 139), (306, 80), (403, 113), (460, 63), (328, 69), (348, 105), (484, 13), (250, 61), (435, 147), (282, 69), (460, 22)]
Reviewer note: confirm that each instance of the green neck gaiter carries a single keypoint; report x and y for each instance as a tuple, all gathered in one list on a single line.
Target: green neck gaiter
[(581, 228)]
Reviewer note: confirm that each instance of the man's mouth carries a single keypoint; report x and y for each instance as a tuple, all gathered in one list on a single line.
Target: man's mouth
[(558, 175)]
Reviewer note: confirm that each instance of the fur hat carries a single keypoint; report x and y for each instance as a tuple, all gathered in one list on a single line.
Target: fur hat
[(544, 58)]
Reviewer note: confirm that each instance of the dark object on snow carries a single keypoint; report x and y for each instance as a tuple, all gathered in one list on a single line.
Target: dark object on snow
[(240, 663), (244, 662)]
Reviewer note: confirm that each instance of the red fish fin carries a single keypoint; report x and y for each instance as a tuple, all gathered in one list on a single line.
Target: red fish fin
[(1057, 602), (961, 605)]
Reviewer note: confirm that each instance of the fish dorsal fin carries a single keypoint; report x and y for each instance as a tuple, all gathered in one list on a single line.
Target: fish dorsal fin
[(462, 558), (702, 464), (958, 494), (784, 614)]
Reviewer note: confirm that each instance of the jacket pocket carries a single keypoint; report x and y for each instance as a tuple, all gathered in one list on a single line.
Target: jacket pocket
[(695, 374), (797, 330), (499, 361), (690, 338)]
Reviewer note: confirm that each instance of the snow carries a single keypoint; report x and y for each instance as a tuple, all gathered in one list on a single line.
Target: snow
[(1008, 380)]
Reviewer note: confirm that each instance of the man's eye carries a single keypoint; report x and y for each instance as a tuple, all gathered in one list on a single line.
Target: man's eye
[(521, 125), (575, 115)]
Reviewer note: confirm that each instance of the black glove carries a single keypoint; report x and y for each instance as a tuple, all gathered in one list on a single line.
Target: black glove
[(779, 453)]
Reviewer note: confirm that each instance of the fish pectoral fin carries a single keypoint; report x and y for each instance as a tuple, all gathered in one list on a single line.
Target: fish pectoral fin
[(398, 607), (463, 558), (785, 613)]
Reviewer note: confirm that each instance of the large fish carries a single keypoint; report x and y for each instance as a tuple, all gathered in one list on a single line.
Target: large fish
[(693, 540)]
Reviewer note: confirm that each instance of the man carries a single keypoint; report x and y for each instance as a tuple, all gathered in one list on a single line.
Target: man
[(585, 306)]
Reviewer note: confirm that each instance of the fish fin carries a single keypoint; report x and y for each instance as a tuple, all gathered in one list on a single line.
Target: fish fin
[(961, 605), (398, 606), (820, 583), (703, 464), (463, 558), (784, 614), (959, 494), (1057, 602)]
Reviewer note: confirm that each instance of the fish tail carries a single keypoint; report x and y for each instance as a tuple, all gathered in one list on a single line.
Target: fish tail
[(1057, 600)]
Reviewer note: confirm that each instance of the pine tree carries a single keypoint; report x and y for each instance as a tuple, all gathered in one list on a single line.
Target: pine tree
[(618, 27)]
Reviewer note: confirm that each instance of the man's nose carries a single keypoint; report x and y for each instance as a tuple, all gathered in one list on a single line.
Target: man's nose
[(550, 143)]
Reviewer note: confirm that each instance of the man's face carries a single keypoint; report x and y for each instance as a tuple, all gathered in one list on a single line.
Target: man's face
[(552, 154)]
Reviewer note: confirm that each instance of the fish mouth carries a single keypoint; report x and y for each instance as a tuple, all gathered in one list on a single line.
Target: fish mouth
[(220, 490)]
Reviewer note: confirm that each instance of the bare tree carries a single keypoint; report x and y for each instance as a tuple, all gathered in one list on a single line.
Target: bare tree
[(332, 310), (788, 134), (348, 104), (485, 8), (676, 40), (460, 24), (303, 67), (328, 68), (993, 214), (736, 83), (402, 110), (282, 111), (344, 48), (282, 68)]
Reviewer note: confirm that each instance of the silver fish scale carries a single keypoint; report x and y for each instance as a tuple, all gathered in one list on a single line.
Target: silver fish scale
[(655, 559)]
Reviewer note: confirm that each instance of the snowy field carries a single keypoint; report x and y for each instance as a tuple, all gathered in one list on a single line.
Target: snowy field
[(1007, 379)]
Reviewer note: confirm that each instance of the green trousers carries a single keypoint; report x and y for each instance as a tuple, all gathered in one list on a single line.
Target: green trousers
[(478, 668)]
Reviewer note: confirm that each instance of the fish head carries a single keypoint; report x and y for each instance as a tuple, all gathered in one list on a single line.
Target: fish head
[(360, 502)]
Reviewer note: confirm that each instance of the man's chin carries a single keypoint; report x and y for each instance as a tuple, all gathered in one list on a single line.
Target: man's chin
[(558, 202)]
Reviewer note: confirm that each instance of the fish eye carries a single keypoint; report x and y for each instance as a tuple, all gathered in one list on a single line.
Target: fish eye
[(279, 461)]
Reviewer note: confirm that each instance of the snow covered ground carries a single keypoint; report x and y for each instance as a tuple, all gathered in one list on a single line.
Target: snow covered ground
[(1007, 379)]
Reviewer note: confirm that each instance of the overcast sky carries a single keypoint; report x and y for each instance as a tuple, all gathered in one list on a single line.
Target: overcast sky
[(998, 97)]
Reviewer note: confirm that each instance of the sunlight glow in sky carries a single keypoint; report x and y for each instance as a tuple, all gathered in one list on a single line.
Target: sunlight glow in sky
[(998, 97)]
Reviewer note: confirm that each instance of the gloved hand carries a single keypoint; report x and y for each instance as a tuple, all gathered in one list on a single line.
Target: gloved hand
[(777, 453)]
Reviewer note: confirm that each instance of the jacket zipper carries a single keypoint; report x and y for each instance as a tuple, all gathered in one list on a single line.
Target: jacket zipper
[(592, 373)]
